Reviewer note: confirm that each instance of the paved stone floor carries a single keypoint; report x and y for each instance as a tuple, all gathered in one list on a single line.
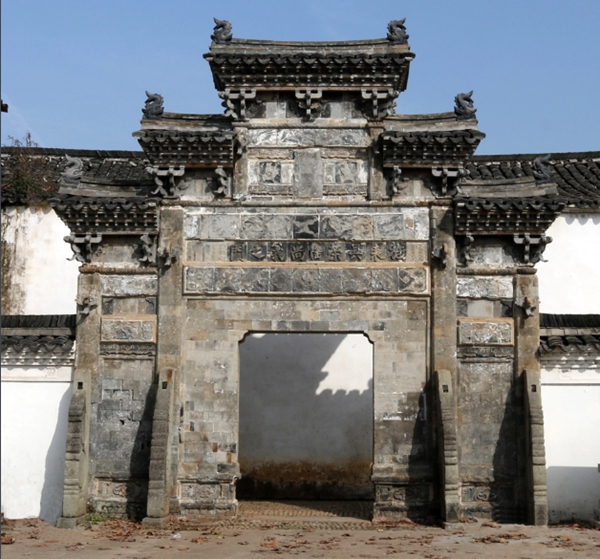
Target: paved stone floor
[(267, 529), (361, 510)]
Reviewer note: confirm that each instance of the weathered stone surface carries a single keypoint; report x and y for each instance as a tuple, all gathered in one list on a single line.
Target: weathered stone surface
[(128, 330), (485, 332), (485, 287), (308, 174), (301, 280), (409, 224), (266, 226), (313, 230), (307, 138), (134, 285)]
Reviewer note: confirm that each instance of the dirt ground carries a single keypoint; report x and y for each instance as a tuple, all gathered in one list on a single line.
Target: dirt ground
[(324, 537)]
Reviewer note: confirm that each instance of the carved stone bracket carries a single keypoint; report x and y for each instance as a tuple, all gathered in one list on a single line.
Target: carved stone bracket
[(235, 102), (83, 246), (309, 100), (464, 250), (379, 103), (166, 257), (533, 247), (397, 181), (166, 181), (154, 106), (240, 142), (73, 172), (440, 253), (451, 176), (528, 304), (221, 183), (464, 109), (85, 304), (148, 249)]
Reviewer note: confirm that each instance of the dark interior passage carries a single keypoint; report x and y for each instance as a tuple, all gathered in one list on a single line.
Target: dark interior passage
[(306, 416)]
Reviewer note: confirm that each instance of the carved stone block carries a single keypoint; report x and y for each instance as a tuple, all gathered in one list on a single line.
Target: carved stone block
[(228, 280), (122, 286), (121, 490), (485, 287), (305, 279), (411, 224), (131, 350), (485, 332), (255, 280), (199, 280), (306, 227), (266, 226), (308, 174), (128, 330), (412, 280), (384, 280)]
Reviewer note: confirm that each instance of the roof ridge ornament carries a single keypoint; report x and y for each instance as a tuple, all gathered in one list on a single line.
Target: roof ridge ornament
[(73, 171), (154, 106), (464, 108), (222, 34), (542, 168), (397, 34)]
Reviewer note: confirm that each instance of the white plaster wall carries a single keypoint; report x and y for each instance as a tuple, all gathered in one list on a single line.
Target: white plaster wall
[(34, 435), (43, 280), (569, 281), (571, 403), (306, 397)]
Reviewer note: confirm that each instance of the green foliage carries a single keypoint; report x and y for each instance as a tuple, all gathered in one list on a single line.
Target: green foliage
[(95, 518)]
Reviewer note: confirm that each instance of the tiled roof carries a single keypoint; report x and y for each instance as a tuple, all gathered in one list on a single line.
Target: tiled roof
[(38, 321), (569, 333), (121, 168), (569, 320), (32, 333), (585, 343), (577, 175)]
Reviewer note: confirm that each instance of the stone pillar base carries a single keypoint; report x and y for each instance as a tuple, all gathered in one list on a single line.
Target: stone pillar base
[(453, 526), (219, 509), (69, 522), (155, 522)]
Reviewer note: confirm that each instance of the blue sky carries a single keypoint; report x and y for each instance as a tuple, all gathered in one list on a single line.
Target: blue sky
[(74, 72)]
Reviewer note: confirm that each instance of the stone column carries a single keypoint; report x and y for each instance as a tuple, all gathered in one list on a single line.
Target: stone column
[(443, 341), (77, 473), (377, 188), (527, 371), (448, 445), (163, 466)]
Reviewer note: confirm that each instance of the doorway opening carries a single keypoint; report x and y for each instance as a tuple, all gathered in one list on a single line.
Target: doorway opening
[(306, 417)]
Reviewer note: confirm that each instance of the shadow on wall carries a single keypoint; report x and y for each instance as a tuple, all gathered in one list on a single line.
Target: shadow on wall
[(139, 465), (306, 416), (582, 219), (507, 494), (573, 493), (52, 491)]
